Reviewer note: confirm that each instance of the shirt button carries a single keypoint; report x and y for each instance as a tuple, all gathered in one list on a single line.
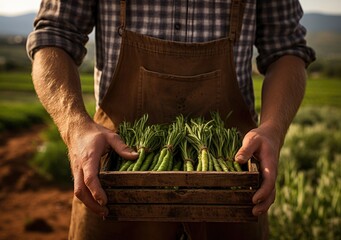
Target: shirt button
[(177, 26)]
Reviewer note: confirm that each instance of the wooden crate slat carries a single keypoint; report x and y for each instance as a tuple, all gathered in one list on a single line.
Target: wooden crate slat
[(181, 179), (189, 196), (181, 213)]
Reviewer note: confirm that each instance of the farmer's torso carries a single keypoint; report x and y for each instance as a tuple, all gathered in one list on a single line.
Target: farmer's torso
[(183, 21)]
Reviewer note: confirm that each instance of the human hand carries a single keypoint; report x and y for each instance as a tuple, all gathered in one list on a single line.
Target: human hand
[(261, 144), (86, 146)]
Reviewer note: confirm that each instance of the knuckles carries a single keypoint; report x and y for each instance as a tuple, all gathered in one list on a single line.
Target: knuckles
[(78, 192), (89, 180)]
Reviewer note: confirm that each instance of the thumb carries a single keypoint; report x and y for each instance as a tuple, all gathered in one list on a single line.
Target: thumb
[(247, 150), (242, 156), (121, 148)]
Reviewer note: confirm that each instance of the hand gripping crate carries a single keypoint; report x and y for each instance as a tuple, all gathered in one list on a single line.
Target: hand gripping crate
[(181, 196)]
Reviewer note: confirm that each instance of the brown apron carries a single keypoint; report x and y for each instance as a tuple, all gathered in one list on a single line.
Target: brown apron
[(164, 79)]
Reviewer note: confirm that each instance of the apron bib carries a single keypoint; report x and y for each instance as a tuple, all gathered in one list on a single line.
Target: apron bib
[(164, 79)]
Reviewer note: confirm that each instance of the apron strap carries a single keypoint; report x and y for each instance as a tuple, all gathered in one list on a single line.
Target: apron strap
[(236, 17), (123, 9)]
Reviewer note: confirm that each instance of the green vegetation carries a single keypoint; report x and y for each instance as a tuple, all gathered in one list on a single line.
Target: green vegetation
[(321, 91), (51, 159), (16, 116), (308, 199), (212, 146), (19, 105), (22, 82)]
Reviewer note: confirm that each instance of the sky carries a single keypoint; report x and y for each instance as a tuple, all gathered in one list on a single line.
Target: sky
[(17, 7)]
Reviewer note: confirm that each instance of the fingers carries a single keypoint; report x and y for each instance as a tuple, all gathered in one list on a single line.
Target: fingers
[(121, 148), (91, 181), (268, 170), (87, 187), (262, 207), (85, 155), (260, 147), (83, 193)]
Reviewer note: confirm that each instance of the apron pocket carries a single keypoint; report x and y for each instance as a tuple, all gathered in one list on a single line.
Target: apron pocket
[(164, 96)]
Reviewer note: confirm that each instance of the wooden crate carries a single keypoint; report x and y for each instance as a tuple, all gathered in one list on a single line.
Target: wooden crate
[(181, 196)]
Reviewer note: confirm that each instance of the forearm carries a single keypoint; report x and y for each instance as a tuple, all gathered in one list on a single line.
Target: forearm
[(282, 93), (57, 84)]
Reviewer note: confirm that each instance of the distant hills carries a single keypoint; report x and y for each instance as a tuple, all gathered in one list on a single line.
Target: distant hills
[(324, 32), (314, 22), (18, 25)]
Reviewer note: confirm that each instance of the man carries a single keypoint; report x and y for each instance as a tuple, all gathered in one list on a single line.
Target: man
[(197, 58)]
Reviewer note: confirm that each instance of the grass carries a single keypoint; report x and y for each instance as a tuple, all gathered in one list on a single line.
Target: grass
[(19, 105), (19, 116), (51, 159), (320, 91), (308, 198), (22, 82)]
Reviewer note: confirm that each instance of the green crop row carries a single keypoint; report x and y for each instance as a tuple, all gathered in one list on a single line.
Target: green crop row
[(22, 81), (16, 116), (308, 199)]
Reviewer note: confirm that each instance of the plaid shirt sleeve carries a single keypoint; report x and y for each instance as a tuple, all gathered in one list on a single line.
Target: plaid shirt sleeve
[(64, 24), (279, 32)]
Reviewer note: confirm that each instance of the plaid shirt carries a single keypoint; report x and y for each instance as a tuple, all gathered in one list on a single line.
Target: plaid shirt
[(272, 26)]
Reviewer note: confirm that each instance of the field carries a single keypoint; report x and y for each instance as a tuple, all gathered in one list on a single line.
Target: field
[(19, 104), (321, 91), (17, 88), (308, 188)]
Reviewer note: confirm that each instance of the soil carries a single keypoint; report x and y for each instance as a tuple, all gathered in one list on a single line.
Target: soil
[(31, 207)]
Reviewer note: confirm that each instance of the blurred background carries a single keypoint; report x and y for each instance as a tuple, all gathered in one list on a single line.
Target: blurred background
[(35, 180)]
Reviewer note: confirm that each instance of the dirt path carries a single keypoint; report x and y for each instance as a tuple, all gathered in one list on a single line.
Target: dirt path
[(30, 207)]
